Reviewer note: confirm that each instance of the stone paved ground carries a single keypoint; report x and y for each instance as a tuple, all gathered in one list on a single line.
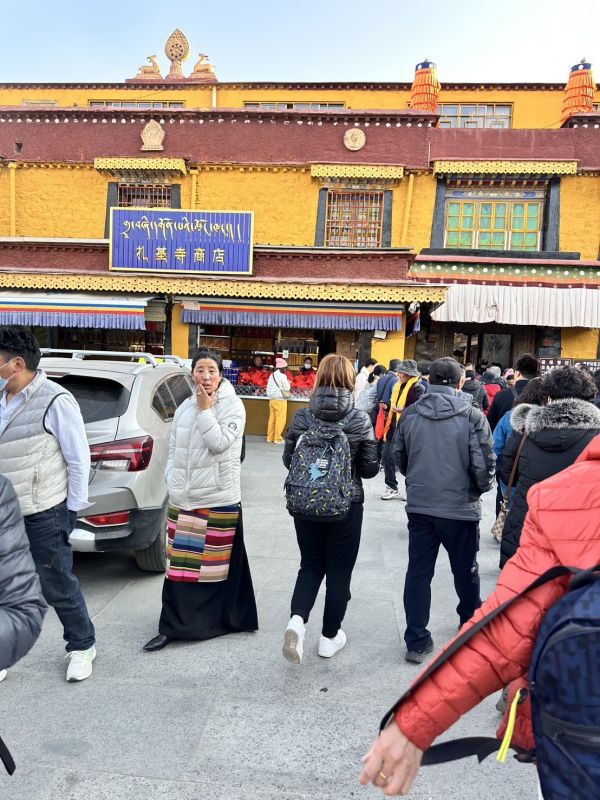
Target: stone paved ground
[(230, 719)]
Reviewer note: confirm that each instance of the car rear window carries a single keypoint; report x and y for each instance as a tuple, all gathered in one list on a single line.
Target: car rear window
[(98, 398)]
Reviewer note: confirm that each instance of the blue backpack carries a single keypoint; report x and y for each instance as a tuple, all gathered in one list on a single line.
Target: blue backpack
[(564, 685)]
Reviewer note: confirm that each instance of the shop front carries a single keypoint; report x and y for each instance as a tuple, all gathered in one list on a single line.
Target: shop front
[(250, 334), (88, 321)]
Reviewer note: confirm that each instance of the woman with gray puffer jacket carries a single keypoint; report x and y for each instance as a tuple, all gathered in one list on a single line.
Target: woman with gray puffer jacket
[(328, 549), (22, 608)]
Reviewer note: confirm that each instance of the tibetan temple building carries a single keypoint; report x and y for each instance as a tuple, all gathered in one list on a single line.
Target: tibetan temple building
[(398, 219)]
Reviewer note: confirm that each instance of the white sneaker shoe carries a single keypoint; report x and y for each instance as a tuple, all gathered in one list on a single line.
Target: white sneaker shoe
[(3, 674), (390, 494), (80, 665), (329, 647), (293, 640)]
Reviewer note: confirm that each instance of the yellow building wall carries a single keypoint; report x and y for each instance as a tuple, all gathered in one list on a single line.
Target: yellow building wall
[(180, 340), (579, 343), (580, 215), (284, 203), (532, 108), (393, 346), (421, 212), (4, 202)]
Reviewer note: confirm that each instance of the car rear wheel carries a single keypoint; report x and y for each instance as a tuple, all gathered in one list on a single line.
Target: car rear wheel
[(154, 557)]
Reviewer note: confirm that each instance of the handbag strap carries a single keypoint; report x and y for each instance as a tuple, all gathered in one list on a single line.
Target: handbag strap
[(7, 759), (513, 471)]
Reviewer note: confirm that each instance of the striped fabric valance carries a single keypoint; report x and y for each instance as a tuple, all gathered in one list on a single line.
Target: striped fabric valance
[(269, 313), (72, 310)]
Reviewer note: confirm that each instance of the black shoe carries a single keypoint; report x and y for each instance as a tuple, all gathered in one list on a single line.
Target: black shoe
[(157, 643), (418, 656)]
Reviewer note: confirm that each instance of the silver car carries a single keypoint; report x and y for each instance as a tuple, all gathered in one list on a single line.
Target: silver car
[(128, 408)]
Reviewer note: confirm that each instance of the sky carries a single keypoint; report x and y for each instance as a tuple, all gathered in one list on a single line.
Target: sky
[(312, 40)]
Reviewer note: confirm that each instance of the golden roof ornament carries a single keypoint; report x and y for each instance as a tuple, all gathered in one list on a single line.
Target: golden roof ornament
[(153, 136), (177, 50), (149, 72), (203, 71)]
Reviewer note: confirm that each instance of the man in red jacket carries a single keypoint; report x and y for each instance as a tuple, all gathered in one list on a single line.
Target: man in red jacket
[(561, 528)]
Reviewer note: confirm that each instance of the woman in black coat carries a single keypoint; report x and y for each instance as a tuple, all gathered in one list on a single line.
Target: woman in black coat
[(329, 549), (557, 433)]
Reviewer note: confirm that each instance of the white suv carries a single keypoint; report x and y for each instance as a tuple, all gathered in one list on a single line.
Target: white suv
[(128, 407)]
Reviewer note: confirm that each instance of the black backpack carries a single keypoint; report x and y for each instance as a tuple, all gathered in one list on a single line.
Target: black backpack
[(319, 483)]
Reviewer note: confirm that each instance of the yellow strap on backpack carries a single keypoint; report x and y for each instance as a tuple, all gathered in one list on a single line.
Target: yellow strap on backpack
[(510, 729)]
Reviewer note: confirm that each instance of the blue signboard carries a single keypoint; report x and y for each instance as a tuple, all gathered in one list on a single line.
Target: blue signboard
[(174, 240)]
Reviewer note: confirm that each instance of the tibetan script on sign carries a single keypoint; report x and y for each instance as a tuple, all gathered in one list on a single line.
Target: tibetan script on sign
[(174, 240)]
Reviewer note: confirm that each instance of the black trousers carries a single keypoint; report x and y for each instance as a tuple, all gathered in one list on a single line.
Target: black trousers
[(460, 538), (327, 550)]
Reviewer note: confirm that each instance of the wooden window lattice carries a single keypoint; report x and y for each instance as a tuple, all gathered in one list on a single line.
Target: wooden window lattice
[(145, 195), (354, 219)]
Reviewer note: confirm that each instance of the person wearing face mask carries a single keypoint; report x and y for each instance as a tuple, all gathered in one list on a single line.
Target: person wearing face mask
[(45, 454), (207, 590), (305, 379)]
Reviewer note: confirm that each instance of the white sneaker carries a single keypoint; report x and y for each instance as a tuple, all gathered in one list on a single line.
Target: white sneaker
[(390, 494), (293, 640), (80, 665), (3, 674), (329, 647)]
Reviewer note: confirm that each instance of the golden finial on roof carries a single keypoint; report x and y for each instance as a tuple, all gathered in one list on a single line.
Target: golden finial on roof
[(151, 72), (177, 50), (203, 71)]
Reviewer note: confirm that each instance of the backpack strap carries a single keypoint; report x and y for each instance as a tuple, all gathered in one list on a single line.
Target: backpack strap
[(513, 471), (479, 746), (6, 757)]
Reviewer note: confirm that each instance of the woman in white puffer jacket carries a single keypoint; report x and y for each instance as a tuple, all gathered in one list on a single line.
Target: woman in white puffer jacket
[(207, 590)]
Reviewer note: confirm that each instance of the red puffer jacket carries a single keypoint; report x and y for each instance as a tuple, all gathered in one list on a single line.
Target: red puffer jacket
[(561, 528)]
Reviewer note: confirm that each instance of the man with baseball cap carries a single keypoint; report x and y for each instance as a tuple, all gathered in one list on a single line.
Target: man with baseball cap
[(444, 447)]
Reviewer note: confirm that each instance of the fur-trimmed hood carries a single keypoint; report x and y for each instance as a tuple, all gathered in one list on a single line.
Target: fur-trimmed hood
[(557, 415)]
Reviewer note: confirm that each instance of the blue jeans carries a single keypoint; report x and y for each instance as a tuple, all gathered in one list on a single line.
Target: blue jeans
[(460, 538), (48, 533)]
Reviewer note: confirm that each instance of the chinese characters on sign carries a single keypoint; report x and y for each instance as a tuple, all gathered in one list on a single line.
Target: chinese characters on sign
[(547, 364), (172, 240)]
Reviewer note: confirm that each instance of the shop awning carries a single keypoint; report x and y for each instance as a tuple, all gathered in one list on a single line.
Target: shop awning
[(72, 310), (521, 305), (321, 316)]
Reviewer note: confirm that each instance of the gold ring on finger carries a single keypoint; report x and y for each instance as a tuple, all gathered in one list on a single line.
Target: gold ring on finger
[(383, 776)]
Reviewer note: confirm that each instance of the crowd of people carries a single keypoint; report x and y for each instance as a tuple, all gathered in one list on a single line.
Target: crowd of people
[(437, 423)]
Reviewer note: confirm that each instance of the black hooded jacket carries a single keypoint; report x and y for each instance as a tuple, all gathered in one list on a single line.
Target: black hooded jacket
[(557, 434), (334, 405)]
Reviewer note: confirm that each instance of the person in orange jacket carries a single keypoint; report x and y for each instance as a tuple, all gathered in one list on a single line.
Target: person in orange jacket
[(559, 530)]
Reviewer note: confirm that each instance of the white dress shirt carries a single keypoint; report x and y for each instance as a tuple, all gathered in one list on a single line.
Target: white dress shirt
[(65, 423)]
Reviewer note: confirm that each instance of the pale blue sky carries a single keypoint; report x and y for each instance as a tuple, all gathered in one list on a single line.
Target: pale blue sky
[(311, 40)]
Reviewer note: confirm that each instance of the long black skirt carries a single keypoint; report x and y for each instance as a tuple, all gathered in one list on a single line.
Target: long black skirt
[(208, 610)]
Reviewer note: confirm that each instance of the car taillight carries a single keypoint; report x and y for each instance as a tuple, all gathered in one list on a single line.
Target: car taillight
[(128, 455), (118, 518)]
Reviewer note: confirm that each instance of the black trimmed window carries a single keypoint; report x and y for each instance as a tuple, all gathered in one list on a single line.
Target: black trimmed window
[(354, 218), (133, 104), (282, 106)]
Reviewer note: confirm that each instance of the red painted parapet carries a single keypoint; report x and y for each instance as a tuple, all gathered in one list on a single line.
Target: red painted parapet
[(579, 91), (426, 88)]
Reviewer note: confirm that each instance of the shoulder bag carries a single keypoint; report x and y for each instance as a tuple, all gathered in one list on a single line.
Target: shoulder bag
[(285, 393), (498, 526)]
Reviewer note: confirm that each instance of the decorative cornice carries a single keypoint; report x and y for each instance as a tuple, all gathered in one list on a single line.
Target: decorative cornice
[(368, 85), (504, 167), (356, 171), (156, 164), (564, 273), (382, 293)]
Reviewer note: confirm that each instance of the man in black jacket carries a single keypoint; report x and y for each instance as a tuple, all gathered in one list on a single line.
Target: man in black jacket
[(475, 388), (526, 368), (444, 447)]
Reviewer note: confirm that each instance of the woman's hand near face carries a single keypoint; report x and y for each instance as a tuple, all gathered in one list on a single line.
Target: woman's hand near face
[(203, 399)]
